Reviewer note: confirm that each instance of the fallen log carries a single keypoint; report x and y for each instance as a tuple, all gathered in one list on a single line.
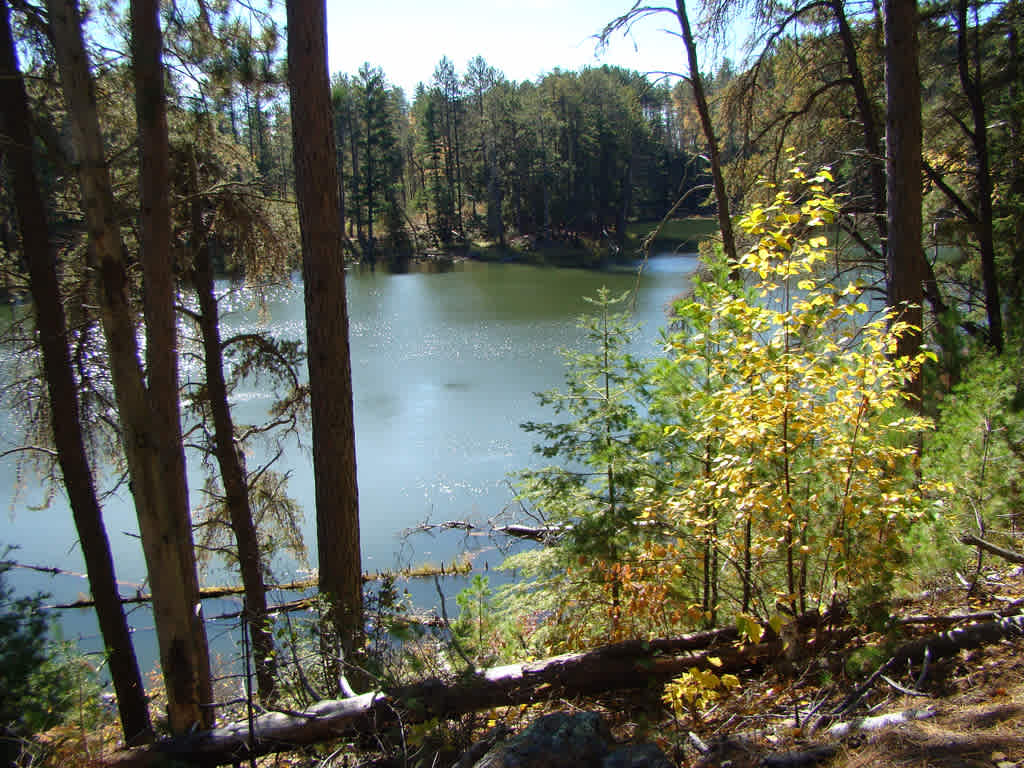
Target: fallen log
[(622, 666), (541, 533), (1006, 554), (629, 665)]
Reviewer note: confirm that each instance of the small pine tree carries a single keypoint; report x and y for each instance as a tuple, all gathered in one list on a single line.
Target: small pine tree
[(590, 493)]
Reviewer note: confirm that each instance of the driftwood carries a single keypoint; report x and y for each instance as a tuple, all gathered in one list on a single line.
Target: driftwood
[(514, 530), (413, 572), (1006, 554)]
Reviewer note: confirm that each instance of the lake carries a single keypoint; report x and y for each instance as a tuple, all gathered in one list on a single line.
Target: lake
[(445, 365)]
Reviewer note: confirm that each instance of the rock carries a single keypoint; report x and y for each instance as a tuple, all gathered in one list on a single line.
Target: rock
[(637, 756), (559, 740), (563, 740)]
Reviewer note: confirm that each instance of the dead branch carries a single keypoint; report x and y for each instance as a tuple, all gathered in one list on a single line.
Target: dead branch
[(1012, 608), (939, 645), (1006, 554), (879, 722), (414, 572)]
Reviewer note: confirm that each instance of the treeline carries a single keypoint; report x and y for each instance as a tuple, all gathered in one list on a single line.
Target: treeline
[(476, 155)]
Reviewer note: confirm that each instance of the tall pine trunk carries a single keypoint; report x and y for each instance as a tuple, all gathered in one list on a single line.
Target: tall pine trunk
[(323, 272), (982, 221), (903, 168), (15, 125)]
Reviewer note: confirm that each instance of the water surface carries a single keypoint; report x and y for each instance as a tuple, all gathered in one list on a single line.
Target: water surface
[(445, 365)]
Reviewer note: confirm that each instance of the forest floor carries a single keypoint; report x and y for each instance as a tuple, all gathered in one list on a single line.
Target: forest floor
[(960, 711), (973, 702)]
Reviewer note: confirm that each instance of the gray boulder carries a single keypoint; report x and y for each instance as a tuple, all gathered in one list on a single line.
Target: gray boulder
[(564, 740)]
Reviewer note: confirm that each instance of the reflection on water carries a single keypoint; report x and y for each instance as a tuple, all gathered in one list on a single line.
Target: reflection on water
[(444, 365)]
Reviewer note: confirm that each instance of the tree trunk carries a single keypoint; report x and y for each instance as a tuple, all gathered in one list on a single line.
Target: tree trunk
[(495, 224), (370, 252), (869, 125), (1016, 171), (700, 98), (162, 340), (232, 472), (903, 167), (154, 456), (15, 125), (330, 375), (972, 86)]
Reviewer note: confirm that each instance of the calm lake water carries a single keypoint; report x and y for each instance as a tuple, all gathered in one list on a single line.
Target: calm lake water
[(445, 367)]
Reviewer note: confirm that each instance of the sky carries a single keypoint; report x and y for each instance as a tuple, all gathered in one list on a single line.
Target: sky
[(521, 38)]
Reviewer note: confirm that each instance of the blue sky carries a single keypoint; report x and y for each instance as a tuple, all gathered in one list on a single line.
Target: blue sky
[(522, 38)]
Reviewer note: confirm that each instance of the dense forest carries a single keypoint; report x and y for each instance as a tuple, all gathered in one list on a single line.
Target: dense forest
[(836, 418)]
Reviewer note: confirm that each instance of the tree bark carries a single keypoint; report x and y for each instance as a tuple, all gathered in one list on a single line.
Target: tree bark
[(323, 272), (982, 222), (155, 464), (903, 167), (700, 98), (233, 476), (869, 124), (15, 127), (190, 670)]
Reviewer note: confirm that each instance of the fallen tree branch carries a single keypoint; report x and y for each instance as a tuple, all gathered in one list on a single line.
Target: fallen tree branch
[(940, 645), (903, 689), (1012, 608), (1006, 554), (839, 730)]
